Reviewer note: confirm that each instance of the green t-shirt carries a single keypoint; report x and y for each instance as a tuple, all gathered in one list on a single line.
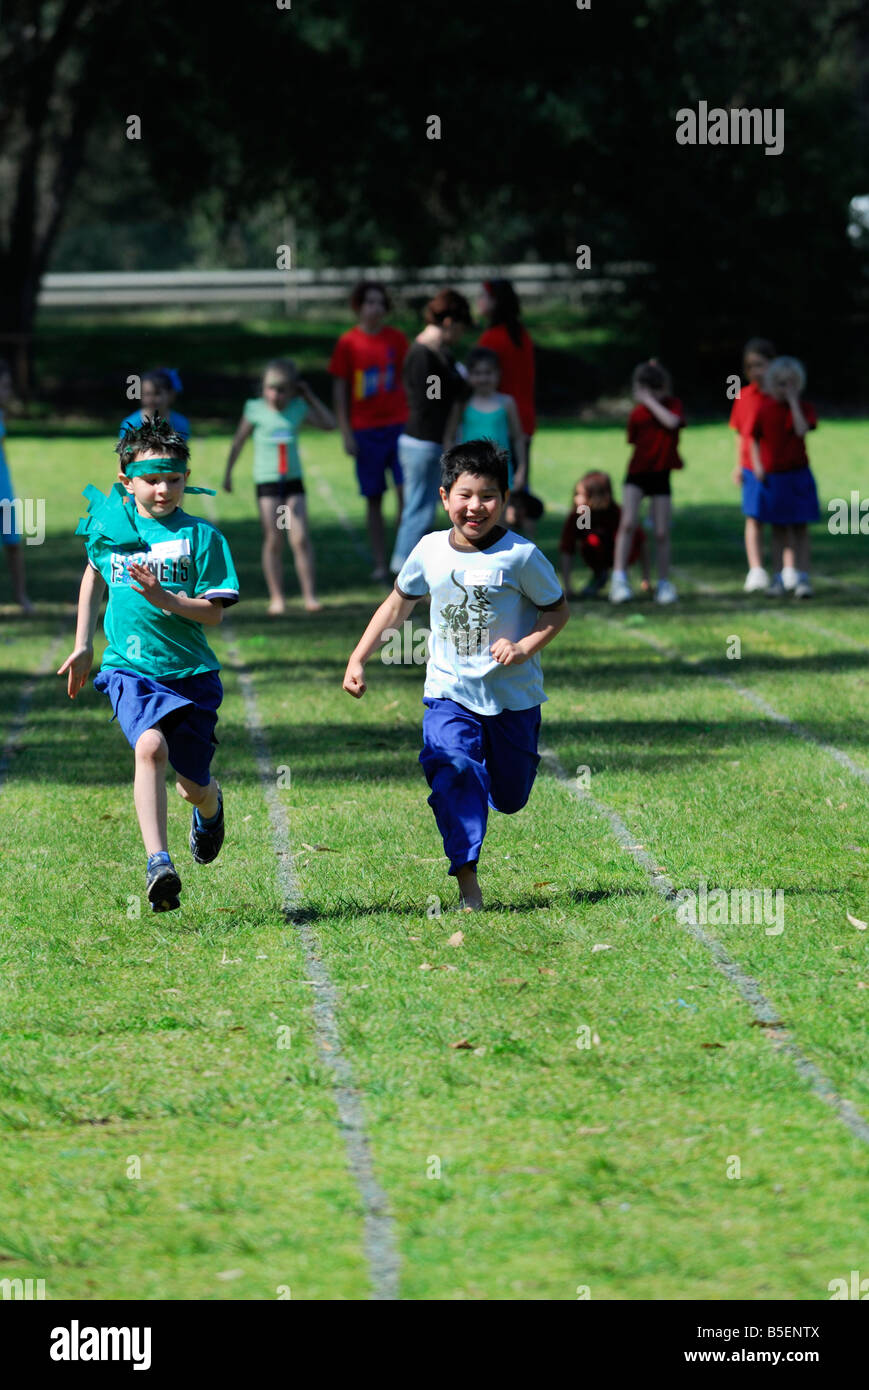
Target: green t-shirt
[(275, 439), (189, 556)]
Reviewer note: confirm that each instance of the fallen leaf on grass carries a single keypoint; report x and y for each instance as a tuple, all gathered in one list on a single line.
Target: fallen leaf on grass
[(463, 1045), (710, 1045), (861, 984), (425, 966), (414, 938), (456, 939), (245, 819), (544, 883), (318, 849), (855, 922), (230, 1274), (600, 946), (541, 970), (511, 980), (592, 1129), (763, 1023)]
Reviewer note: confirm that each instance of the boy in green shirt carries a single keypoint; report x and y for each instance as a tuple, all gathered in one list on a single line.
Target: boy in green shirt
[(169, 576)]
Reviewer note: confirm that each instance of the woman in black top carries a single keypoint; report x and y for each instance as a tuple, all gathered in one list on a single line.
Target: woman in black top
[(433, 384)]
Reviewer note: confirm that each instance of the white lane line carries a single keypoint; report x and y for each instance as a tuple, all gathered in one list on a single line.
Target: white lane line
[(379, 1238), (698, 664), (748, 988), (46, 667), (795, 611)]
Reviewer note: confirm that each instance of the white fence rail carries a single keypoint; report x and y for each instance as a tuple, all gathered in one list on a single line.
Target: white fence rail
[(109, 289)]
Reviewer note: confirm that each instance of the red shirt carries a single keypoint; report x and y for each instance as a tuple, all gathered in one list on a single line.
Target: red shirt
[(597, 541), (781, 449), (655, 448), (517, 371), (742, 418), (372, 363)]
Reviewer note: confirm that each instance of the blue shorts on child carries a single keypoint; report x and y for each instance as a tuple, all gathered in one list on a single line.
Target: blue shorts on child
[(752, 493), (474, 761), (789, 499), (184, 710), (377, 450)]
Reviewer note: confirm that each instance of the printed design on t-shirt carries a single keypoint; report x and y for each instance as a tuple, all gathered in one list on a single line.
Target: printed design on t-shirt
[(374, 379), (168, 570), (467, 623)]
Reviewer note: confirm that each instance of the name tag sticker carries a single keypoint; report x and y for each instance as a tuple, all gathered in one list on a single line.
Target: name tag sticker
[(490, 577), (170, 550)]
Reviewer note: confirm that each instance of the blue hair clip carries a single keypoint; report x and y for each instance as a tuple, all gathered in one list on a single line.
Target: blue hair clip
[(173, 376)]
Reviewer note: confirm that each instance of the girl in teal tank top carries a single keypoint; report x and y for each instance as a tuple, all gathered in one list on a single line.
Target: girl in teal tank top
[(489, 414)]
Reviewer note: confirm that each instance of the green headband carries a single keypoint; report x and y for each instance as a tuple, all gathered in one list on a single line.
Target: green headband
[(141, 467)]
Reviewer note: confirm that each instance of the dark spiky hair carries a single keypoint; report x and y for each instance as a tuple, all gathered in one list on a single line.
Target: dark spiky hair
[(481, 458), (153, 435)]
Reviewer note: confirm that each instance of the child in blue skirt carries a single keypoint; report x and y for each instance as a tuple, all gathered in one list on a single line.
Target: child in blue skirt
[(495, 604), (169, 576), (788, 495)]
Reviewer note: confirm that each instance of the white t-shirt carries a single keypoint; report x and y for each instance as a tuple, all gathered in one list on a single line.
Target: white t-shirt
[(478, 596)]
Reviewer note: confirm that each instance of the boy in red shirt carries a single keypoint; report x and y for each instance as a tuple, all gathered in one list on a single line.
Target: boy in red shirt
[(371, 406), (653, 429), (592, 524), (789, 497)]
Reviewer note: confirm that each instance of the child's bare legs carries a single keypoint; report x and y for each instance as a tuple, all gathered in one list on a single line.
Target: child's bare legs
[(754, 543), (303, 552), (203, 798), (272, 550), (149, 789), (469, 888), (15, 560), (802, 548), (399, 494), (632, 498), (661, 509), (376, 537)]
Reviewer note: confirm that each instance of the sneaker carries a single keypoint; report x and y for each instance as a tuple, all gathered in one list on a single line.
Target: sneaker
[(756, 579), (595, 585), (205, 840), (163, 883), (620, 589), (790, 577), (665, 592), (803, 587), (776, 588)]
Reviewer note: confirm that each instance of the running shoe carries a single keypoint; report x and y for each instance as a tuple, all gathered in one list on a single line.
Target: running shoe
[(205, 840), (620, 589), (756, 579), (163, 883), (665, 592)]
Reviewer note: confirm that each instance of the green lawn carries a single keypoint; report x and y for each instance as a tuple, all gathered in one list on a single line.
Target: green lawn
[(127, 1037)]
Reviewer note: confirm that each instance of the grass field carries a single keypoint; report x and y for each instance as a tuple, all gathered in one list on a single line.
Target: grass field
[(172, 1123)]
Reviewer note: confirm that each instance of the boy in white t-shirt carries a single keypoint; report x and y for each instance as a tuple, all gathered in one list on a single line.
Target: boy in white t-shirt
[(495, 603)]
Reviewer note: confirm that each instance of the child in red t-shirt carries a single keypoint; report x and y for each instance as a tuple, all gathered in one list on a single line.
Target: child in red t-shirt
[(592, 523), (371, 406), (789, 497), (653, 429)]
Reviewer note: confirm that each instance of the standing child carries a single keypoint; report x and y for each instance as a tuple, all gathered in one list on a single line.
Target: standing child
[(274, 419), (511, 342), (593, 524), (10, 535), (653, 429), (489, 414), (169, 576), (159, 391), (370, 405), (495, 603), (789, 497), (756, 357)]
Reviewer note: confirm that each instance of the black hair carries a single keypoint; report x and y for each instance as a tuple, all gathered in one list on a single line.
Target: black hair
[(357, 297), (478, 355), (154, 435), (653, 376), (762, 346), (161, 376), (506, 308), (479, 457)]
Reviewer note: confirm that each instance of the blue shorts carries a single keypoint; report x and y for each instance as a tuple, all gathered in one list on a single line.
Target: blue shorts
[(9, 515), (474, 763), (377, 450), (184, 710), (752, 494), (789, 499)]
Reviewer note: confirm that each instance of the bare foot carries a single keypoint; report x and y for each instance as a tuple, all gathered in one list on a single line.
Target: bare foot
[(313, 605), (471, 898), (276, 608)]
